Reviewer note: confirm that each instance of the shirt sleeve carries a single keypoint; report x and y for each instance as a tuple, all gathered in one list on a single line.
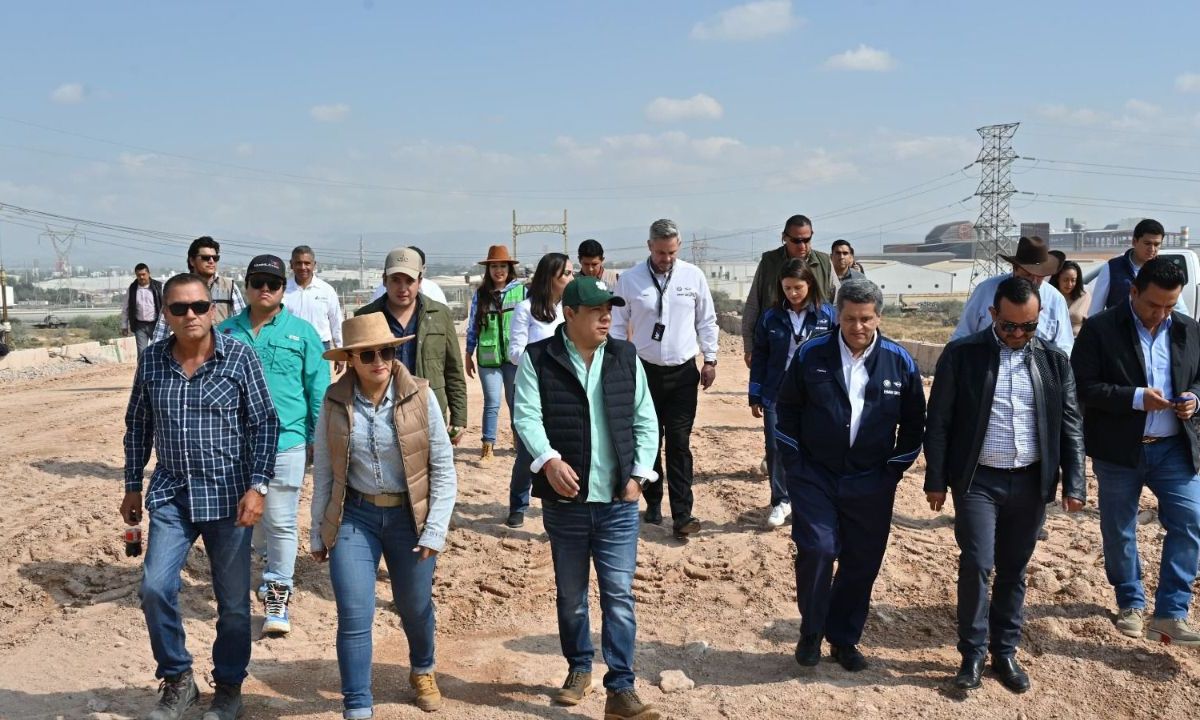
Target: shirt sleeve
[(518, 333), (235, 294), (139, 432), (316, 380), (322, 479), (645, 427), (1065, 337), (161, 329), (706, 320), (528, 416), (335, 318), (619, 327), (472, 337), (968, 323), (124, 311), (1138, 401), (261, 421), (750, 313), (1099, 291), (443, 480)]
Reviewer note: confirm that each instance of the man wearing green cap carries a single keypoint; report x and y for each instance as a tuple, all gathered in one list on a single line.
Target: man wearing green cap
[(585, 414)]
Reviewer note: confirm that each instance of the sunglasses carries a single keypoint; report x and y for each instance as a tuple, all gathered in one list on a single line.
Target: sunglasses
[(199, 307), (209, 258), (1011, 327), (258, 282), (798, 240), (386, 354)]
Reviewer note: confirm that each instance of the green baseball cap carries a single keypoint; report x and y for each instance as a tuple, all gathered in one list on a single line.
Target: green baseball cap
[(588, 291)]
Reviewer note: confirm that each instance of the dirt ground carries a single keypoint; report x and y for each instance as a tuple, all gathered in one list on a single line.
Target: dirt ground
[(73, 643)]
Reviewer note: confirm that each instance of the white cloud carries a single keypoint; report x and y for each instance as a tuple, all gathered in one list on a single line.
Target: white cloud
[(934, 146), (1188, 82), (330, 113), (1142, 108), (69, 94), (1075, 116), (862, 58), (697, 107), (751, 21)]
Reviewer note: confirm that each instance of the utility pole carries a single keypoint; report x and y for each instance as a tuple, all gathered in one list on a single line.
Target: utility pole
[(5, 328), (362, 265), (559, 228), (994, 191)]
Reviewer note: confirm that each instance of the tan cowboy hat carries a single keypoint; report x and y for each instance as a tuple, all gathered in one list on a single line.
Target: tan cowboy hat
[(498, 254), (365, 332), (1033, 254)]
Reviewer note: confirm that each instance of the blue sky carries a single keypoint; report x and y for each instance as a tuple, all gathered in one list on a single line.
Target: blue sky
[(273, 123)]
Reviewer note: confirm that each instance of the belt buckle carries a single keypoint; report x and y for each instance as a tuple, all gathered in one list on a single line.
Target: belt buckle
[(1150, 439)]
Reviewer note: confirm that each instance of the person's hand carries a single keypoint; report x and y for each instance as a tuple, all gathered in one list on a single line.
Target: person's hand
[(633, 491), (456, 434), (746, 358), (124, 332), (1071, 504), (424, 553), (936, 500), (756, 410), (1152, 399), (320, 555), (469, 364), (250, 508), (1185, 410), (131, 508), (708, 374), (562, 477)]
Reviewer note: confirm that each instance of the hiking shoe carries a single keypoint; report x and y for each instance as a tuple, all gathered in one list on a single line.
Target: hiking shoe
[(278, 620), (689, 526), (487, 454), (779, 513), (429, 698), (626, 705), (1172, 632), (176, 695), (226, 703), (577, 685), (1132, 622), (515, 519)]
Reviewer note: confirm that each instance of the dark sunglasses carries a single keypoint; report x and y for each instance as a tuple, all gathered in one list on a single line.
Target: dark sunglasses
[(1028, 328), (258, 281), (180, 309), (386, 354), (798, 241), (209, 258)]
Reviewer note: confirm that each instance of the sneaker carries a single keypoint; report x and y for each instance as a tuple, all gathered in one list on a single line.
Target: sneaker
[(261, 593), (515, 519), (1131, 622), (226, 703), (626, 705), (1172, 632), (577, 685), (278, 620), (176, 695), (429, 698), (779, 513), (762, 467)]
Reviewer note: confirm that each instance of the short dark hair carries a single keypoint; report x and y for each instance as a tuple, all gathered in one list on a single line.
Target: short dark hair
[(140, 267), (1016, 290), (303, 250), (1161, 272), (797, 221), (203, 241), (185, 279), (840, 242), (1148, 226), (860, 292), (591, 249)]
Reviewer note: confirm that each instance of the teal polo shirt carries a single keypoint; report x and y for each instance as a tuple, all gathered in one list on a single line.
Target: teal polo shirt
[(297, 376)]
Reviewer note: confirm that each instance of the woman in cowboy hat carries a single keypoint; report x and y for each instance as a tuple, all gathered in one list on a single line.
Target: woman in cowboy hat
[(384, 484), (488, 323)]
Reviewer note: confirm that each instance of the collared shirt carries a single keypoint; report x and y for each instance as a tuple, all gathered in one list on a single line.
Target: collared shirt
[(226, 304), (144, 302), (525, 329), (798, 335), (319, 305), (1054, 320), (854, 371), (603, 469), (297, 375), (1099, 287), (215, 434), (406, 353), (1156, 351), (688, 314), (1011, 440), (376, 465)]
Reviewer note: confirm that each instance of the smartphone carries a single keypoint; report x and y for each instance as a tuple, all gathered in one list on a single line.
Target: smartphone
[(1178, 400)]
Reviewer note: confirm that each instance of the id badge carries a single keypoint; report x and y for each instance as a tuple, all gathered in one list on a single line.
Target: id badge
[(657, 335)]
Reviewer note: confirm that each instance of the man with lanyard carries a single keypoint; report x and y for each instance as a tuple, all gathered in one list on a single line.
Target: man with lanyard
[(310, 298), (297, 375), (1111, 285), (203, 256), (670, 318), (143, 305)]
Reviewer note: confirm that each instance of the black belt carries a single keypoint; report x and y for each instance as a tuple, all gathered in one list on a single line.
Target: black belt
[(1015, 471)]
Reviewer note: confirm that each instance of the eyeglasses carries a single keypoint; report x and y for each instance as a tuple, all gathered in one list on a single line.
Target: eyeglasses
[(208, 258), (386, 354), (199, 307), (798, 240), (258, 281), (1011, 327)]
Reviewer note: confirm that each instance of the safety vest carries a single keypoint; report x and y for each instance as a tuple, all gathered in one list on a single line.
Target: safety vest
[(492, 346)]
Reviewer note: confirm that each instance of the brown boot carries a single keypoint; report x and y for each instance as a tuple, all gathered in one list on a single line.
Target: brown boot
[(577, 685), (429, 698), (626, 705), (486, 455)]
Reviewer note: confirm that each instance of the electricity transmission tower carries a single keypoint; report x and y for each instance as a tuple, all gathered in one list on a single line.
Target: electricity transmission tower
[(560, 228), (62, 242), (995, 188), (699, 250)]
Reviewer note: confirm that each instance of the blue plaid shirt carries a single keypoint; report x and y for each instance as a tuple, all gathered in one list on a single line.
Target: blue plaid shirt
[(215, 433)]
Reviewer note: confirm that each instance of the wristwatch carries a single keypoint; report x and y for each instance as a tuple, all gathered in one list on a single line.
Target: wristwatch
[(641, 481), (260, 488), (713, 363)]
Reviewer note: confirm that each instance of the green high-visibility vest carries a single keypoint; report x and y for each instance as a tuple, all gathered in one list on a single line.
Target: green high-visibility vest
[(491, 349)]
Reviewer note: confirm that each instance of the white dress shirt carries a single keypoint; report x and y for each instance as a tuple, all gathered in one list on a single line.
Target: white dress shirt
[(688, 314), (1011, 439), (854, 370), (1099, 288), (524, 329), (319, 305)]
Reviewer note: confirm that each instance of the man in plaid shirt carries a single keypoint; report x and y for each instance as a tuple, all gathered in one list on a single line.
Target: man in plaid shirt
[(201, 401)]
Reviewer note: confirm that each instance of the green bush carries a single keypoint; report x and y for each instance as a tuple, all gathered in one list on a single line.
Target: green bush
[(105, 328)]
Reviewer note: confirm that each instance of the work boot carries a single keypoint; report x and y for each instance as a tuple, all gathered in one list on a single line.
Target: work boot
[(1172, 632), (278, 620), (226, 703), (577, 685), (690, 526), (176, 695), (626, 705), (515, 519), (849, 657), (486, 455), (653, 514), (1131, 622), (429, 698)]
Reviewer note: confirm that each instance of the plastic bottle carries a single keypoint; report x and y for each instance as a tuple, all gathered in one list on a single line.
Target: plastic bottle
[(133, 540)]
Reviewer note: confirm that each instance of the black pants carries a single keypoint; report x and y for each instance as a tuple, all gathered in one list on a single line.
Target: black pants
[(675, 392), (996, 524)]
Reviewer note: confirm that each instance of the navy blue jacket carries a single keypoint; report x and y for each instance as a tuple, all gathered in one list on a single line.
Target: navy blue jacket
[(1120, 277), (813, 432), (773, 339)]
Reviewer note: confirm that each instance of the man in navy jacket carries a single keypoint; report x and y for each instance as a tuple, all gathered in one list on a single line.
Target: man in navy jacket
[(851, 417)]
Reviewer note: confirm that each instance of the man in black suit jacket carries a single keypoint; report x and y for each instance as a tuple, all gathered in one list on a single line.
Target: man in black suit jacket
[(1138, 369), (1003, 424)]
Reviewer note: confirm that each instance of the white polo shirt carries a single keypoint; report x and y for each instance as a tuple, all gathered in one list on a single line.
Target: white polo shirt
[(319, 305), (687, 314)]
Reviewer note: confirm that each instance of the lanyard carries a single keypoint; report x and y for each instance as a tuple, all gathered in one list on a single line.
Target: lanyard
[(660, 288)]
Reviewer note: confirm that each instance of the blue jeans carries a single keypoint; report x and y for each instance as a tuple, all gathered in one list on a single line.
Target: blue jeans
[(171, 536), (276, 536), (1165, 468), (496, 381), (366, 533), (606, 534), (779, 492)]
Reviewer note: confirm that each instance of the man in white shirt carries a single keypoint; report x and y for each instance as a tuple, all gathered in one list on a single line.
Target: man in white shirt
[(310, 298), (669, 316)]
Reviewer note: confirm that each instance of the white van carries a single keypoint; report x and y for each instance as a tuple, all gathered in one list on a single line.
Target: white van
[(1186, 260)]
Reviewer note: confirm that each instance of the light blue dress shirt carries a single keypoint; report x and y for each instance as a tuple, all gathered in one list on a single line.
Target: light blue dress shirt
[(1156, 351), (1054, 320)]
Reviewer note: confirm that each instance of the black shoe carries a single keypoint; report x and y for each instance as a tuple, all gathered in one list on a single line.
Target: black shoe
[(176, 695), (226, 704), (653, 514), (515, 519), (848, 657), (969, 674), (689, 526), (808, 650), (1043, 535), (1011, 674)]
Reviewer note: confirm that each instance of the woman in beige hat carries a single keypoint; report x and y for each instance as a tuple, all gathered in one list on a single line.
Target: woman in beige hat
[(488, 322), (384, 485)]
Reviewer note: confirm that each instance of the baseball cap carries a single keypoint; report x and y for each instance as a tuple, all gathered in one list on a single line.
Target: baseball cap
[(589, 292), (267, 265), (404, 260)]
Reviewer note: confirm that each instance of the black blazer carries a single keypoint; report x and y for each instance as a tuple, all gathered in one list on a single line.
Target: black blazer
[(961, 403), (1109, 367)]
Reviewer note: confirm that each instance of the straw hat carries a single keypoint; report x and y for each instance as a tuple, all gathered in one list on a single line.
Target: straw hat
[(498, 254), (365, 332)]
